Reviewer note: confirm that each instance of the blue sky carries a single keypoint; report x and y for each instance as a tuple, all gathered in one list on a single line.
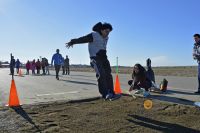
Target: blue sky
[(158, 29)]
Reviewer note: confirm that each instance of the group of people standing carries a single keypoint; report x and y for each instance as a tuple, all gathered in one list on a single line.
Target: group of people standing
[(38, 65), (43, 64)]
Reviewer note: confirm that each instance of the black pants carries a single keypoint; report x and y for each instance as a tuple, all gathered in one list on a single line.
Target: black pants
[(57, 68), (43, 70), (38, 70), (27, 71), (12, 70), (103, 74), (63, 68), (67, 70)]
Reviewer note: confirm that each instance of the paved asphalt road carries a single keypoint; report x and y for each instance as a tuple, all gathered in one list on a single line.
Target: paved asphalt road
[(81, 85)]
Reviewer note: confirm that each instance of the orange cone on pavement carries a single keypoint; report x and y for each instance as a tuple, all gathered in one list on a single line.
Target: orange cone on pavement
[(117, 88), (13, 99)]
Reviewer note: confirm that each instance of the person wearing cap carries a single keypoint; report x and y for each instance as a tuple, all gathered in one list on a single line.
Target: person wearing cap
[(97, 45), (57, 60)]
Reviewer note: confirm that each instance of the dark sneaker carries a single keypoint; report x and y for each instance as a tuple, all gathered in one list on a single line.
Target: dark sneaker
[(109, 96), (114, 97)]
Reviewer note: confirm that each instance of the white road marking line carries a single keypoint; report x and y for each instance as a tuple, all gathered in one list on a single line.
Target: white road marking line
[(61, 93)]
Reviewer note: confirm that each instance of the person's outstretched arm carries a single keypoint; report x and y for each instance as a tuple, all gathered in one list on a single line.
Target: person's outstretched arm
[(85, 39)]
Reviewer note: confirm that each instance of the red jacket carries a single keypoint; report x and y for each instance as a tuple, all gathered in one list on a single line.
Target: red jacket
[(28, 65)]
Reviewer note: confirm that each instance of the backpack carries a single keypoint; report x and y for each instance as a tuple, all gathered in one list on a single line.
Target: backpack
[(163, 85)]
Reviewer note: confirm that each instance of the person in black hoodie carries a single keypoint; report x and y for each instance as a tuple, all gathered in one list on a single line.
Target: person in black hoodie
[(150, 73), (12, 65), (97, 43)]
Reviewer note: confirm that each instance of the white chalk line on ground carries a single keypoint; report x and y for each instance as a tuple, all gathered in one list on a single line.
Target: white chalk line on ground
[(61, 93)]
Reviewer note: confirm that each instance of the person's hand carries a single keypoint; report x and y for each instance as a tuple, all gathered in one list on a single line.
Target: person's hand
[(131, 87), (69, 44)]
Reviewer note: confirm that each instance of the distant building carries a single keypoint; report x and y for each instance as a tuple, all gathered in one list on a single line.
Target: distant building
[(4, 64)]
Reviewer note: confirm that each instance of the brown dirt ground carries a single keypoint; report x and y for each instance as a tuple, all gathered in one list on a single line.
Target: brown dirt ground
[(124, 115)]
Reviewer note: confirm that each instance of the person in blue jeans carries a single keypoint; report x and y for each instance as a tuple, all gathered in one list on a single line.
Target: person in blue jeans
[(57, 59), (196, 56), (97, 45)]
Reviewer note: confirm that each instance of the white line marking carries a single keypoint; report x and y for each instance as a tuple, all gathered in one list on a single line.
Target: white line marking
[(61, 93)]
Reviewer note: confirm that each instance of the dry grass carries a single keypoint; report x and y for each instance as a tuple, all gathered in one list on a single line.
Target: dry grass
[(186, 71)]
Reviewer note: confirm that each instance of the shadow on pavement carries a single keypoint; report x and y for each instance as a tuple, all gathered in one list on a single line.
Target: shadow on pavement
[(81, 75), (159, 125), (78, 82), (172, 99), (180, 92), (19, 110), (168, 99)]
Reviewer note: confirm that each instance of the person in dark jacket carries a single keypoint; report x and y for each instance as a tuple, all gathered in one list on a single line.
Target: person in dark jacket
[(139, 79), (43, 66), (66, 65), (150, 73), (12, 65), (97, 44)]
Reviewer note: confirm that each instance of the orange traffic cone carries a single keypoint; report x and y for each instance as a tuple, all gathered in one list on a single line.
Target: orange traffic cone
[(20, 72), (13, 99), (117, 88)]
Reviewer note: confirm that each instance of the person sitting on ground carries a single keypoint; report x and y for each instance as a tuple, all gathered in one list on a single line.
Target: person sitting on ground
[(139, 79)]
